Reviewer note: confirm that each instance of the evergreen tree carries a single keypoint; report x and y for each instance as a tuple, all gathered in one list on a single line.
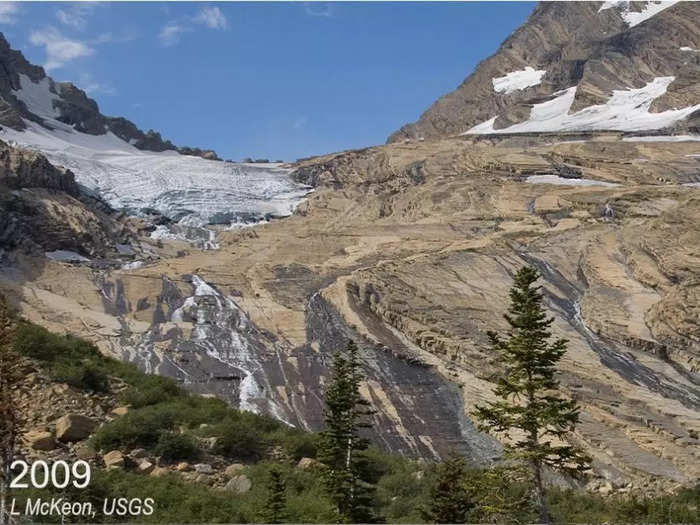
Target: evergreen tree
[(450, 499), (341, 450), (276, 501), (530, 412)]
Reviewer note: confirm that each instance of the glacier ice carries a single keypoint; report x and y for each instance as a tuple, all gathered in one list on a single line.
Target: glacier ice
[(191, 191)]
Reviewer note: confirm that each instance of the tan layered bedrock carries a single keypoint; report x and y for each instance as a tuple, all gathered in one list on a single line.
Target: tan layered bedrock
[(413, 246)]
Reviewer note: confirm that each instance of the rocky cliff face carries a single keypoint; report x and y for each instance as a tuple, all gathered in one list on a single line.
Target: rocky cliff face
[(43, 210), (581, 65), (71, 106)]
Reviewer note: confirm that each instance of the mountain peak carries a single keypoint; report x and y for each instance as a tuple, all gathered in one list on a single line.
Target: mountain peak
[(580, 66), (28, 93)]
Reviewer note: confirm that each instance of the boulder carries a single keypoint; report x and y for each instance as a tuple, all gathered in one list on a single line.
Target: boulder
[(74, 427), (40, 440), (85, 452), (183, 466), (138, 453), (239, 484), (234, 470), (144, 467), (308, 463), (204, 479), (606, 489), (203, 468), (158, 472), (113, 459), (120, 411)]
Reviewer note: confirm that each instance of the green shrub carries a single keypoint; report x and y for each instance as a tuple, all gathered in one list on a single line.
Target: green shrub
[(85, 375), (37, 342), (240, 439), (138, 428), (173, 446), (151, 390), (296, 443)]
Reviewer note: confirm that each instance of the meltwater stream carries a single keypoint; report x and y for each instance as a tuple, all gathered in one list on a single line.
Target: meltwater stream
[(207, 343)]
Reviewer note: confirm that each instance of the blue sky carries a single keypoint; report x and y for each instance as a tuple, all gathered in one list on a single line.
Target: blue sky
[(277, 80)]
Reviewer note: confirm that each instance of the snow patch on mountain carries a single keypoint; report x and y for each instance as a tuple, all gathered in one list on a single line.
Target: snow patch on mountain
[(517, 80), (626, 110), (633, 18), (563, 181), (37, 96)]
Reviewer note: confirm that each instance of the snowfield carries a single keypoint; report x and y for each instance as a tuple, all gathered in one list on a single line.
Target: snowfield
[(626, 110), (183, 188), (517, 80), (633, 18), (563, 181)]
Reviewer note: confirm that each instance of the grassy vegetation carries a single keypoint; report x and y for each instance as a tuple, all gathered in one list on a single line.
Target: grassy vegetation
[(170, 422)]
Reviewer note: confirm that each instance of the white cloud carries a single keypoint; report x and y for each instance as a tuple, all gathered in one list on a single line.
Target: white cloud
[(59, 49), (111, 38), (170, 33), (212, 17), (8, 12), (77, 14)]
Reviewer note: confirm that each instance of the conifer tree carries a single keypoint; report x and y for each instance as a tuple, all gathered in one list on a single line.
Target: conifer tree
[(531, 413), (346, 414), (450, 499), (276, 500)]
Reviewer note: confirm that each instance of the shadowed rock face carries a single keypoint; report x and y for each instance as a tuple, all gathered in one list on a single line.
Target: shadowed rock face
[(43, 210), (577, 45)]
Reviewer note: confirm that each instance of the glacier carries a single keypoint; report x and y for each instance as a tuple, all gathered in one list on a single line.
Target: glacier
[(191, 191)]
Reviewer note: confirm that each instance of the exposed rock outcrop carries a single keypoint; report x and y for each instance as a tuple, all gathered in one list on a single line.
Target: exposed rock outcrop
[(43, 210)]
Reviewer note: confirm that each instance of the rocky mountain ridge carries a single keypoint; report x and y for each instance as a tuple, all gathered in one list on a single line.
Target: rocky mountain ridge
[(577, 66), (71, 106)]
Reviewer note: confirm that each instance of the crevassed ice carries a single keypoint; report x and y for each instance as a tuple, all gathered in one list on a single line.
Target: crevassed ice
[(177, 186), (517, 80), (626, 110)]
